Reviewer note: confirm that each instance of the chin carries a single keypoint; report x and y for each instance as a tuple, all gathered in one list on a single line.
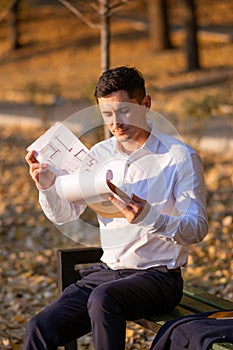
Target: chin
[(122, 138)]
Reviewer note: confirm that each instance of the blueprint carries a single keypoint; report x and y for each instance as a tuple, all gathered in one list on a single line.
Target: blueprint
[(63, 151)]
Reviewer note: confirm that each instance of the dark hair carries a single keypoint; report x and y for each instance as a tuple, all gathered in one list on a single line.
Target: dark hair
[(121, 78)]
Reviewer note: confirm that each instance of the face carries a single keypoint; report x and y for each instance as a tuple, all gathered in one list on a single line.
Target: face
[(124, 116)]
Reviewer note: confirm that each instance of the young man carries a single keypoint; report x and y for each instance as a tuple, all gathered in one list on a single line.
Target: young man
[(144, 249)]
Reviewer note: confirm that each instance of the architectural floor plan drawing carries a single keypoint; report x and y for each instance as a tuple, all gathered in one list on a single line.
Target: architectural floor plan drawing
[(80, 177), (62, 150)]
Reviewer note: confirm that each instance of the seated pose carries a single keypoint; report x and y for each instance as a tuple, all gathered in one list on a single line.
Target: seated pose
[(145, 247)]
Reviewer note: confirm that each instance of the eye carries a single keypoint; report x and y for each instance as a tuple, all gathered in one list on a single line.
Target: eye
[(124, 110), (106, 114)]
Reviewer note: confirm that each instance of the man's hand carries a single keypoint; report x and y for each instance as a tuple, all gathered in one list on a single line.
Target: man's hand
[(41, 175), (134, 211)]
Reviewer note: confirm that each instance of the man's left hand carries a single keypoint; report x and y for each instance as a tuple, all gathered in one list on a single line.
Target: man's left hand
[(134, 211)]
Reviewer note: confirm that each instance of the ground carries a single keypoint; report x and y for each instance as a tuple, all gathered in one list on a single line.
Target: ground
[(57, 69)]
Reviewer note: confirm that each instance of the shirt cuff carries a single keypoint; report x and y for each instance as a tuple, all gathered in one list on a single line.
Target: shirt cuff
[(50, 193)]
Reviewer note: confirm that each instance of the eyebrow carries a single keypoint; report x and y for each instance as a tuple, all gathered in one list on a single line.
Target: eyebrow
[(106, 107)]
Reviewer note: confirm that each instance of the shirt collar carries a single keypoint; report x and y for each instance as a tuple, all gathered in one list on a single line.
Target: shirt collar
[(152, 143)]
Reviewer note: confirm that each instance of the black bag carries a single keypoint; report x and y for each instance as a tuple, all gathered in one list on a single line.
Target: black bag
[(195, 332)]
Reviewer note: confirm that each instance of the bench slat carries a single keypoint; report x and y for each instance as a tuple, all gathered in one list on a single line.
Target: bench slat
[(196, 306), (207, 298), (222, 346)]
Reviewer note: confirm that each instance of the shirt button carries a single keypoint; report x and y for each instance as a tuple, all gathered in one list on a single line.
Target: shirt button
[(118, 260)]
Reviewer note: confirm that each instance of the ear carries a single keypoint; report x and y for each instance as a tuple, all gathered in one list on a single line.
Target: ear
[(147, 101)]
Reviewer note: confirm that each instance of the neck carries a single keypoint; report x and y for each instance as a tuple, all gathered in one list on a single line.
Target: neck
[(129, 146)]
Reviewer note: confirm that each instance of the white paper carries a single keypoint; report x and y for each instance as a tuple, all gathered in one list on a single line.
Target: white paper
[(63, 151), (91, 189), (80, 178), (82, 186)]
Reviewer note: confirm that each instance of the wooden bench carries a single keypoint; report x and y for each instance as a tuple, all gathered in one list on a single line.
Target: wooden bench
[(193, 300)]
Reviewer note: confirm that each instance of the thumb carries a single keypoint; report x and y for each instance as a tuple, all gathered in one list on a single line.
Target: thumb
[(137, 199)]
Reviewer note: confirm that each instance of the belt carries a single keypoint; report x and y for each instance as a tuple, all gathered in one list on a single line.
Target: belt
[(164, 268)]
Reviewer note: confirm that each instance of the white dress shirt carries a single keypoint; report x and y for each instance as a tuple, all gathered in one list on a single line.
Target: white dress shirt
[(169, 175)]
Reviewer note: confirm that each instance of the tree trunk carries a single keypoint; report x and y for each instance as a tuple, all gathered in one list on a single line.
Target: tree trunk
[(104, 35), (14, 26), (158, 24), (191, 43), (104, 44)]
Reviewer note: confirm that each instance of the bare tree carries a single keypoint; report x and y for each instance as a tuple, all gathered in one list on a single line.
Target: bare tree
[(158, 24), (191, 43), (104, 9)]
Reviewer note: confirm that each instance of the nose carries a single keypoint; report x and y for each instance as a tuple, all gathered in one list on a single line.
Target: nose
[(116, 118)]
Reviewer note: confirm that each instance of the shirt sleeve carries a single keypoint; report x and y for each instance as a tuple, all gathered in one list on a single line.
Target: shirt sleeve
[(59, 210), (56, 209), (189, 224)]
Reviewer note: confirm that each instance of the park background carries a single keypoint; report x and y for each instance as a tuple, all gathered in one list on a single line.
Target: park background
[(51, 76)]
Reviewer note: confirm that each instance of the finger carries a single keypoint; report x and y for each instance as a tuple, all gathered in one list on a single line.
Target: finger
[(139, 207), (38, 168), (34, 172), (30, 157), (126, 207), (137, 199), (121, 205)]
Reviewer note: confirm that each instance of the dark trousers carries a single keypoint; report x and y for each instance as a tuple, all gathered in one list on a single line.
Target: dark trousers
[(101, 302)]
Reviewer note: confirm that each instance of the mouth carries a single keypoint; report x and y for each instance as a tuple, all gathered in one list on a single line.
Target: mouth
[(120, 130), (119, 133)]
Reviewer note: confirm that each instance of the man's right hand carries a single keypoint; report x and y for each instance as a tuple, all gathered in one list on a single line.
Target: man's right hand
[(41, 175)]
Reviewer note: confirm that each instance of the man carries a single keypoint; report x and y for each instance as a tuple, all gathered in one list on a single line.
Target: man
[(146, 247)]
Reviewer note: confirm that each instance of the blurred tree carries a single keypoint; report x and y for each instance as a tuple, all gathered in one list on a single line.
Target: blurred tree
[(104, 10), (191, 43), (11, 8), (158, 24), (14, 25), (104, 34)]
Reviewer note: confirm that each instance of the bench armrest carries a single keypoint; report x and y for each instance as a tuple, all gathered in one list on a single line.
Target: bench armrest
[(68, 259)]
